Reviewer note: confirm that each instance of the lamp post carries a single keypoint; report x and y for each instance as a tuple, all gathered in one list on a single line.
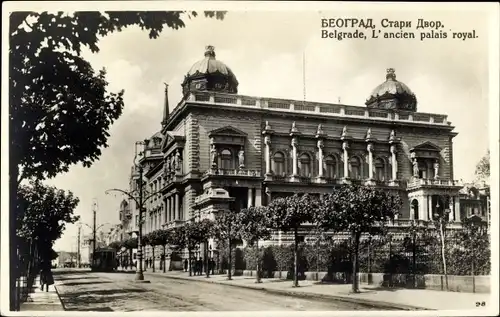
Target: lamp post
[(140, 201)]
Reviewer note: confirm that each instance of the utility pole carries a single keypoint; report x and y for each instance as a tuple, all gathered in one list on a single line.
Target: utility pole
[(78, 259)]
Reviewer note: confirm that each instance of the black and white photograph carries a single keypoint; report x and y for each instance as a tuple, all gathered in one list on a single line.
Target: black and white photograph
[(250, 158)]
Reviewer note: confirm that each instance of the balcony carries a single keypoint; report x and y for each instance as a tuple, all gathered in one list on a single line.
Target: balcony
[(232, 172), (427, 182), (173, 224), (323, 109)]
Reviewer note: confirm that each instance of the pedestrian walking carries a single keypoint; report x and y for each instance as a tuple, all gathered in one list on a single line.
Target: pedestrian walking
[(185, 265), (46, 277)]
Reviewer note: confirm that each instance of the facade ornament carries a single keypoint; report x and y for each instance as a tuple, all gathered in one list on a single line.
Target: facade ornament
[(212, 140), (369, 148), (178, 160), (241, 157), (392, 137), (320, 130), (393, 149), (344, 133), (345, 145), (168, 165), (320, 144), (268, 127), (267, 140), (295, 142), (294, 128), (436, 169), (213, 153), (415, 168), (369, 134)]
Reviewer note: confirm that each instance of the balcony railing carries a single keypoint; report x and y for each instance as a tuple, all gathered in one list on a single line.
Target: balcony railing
[(232, 172), (333, 110), (416, 182)]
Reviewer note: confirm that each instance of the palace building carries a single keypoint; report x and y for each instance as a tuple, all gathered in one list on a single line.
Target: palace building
[(218, 150)]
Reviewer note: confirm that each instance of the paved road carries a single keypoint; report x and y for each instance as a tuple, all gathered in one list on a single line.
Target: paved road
[(90, 291)]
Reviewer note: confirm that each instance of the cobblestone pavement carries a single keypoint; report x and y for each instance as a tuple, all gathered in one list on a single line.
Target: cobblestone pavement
[(90, 291)]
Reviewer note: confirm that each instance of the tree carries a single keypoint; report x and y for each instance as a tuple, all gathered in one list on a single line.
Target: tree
[(253, 226), (358, 210), (227, 229), (288, 214), (43, 212), (482, 172), (196, 233), (117, 245), (130, 244), (163, 238), (59, 109)]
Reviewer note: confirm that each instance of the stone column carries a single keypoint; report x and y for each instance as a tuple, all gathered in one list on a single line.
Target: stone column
[(457, 209), (258, 197), (394, 162), (169, 215), (165, 216), (267, 150), (250, 197), (345, 147), (176, 209), (294, 157), (451, 216), (423, 206), (320, 158), (369, 148), (429, 204)]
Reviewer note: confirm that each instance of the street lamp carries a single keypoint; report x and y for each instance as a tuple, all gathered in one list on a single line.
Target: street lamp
[(140, 201)]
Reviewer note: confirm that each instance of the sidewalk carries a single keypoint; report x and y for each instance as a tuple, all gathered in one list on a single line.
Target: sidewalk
[(41, 300), (406, 299)]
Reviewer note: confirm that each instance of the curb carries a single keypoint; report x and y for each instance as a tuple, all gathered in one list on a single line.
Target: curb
[(361, 301), (59, 296)]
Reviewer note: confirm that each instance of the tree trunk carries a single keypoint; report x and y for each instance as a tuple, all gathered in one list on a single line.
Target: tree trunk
[(230, 260), (153, 264), (443, 254), (355, 246), (14, 261), (295, 259), (257, 280), (207, 260), (164, 257), (190, 262)]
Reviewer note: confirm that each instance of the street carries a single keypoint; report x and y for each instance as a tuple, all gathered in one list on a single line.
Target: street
[(92, 291)]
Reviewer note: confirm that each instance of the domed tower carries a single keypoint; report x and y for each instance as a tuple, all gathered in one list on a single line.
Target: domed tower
[(210, 74), (392, 94)]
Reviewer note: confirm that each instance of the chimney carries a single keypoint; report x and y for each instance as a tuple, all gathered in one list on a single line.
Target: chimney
[(166, 109)]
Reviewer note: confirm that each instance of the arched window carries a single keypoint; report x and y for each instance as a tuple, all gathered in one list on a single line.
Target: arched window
[(414, 206), (330, 167), (226, 159), (305, 165), (279, 164), (379, 166), (355, 167)]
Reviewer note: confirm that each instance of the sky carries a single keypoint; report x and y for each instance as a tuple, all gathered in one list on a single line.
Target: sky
[(265, 51)]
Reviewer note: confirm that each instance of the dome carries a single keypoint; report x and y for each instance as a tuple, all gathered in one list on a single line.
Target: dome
[(392, 94), (210, 74)]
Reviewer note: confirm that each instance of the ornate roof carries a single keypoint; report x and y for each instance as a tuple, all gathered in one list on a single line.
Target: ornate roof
[(210, 74), (392, 94)]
